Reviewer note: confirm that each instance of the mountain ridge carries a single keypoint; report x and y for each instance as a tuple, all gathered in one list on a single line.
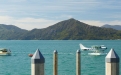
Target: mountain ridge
[(70, 29), (117, 27), (8, 32)]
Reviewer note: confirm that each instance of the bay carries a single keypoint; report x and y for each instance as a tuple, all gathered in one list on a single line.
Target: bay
[(19, 63)]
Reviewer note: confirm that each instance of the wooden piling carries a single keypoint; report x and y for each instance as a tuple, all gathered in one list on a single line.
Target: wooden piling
[(112, 63), (37, 63), (78, 63), (55, 62)]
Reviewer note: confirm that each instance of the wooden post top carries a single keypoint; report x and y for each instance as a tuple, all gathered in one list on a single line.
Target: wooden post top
[(37, 57), (78, 51), (112, 57), (55, 51)]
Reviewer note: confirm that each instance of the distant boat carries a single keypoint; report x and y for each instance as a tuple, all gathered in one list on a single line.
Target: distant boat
[(83, 48), (5, 52)]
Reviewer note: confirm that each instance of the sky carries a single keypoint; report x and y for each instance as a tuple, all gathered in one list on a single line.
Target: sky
[(30, 14)]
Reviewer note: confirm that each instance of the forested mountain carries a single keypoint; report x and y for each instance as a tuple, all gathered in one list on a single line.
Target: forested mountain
[(8, 32), (70, 29), (117, 27)]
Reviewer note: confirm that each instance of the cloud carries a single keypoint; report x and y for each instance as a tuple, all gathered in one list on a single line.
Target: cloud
[(63, 17), (44, 6), (17, 0), (6, 19), (85, 9), (115, 22), (100, 23), (27, 23), (93, 23), (30, 23)]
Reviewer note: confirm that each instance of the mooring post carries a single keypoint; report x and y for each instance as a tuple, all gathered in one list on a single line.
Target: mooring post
[(55, 62), (78, 62), (37, 63), (112, 63)]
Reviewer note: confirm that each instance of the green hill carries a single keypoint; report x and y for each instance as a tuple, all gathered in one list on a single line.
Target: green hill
[(10, 32), (70, 29), (73, 30)]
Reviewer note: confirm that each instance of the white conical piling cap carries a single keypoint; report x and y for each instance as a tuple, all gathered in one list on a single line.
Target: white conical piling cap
[(112, 56), (37, 57)]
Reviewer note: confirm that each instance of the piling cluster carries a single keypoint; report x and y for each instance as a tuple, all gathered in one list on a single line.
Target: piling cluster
[(37, 63)]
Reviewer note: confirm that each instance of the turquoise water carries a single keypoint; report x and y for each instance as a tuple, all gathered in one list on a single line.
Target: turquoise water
[(20, 64)]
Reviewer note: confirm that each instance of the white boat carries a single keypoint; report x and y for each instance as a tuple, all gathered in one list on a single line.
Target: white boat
[(83, 48), (5, 52), (97, 50)]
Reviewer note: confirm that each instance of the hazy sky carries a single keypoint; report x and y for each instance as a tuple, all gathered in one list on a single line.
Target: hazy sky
[(29, 14)]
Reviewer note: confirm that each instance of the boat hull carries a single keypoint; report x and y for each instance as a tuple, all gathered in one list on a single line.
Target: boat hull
[(97, 53), (5, 54)]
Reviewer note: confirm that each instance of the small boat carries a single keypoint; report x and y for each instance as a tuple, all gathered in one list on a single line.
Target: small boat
[(30, 55), (97, 50), (5, 52)]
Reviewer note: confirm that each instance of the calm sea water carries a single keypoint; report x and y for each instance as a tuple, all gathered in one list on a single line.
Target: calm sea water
[(20, 64)]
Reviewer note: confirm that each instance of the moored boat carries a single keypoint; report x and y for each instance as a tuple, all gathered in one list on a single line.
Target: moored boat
[(5, 52)]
